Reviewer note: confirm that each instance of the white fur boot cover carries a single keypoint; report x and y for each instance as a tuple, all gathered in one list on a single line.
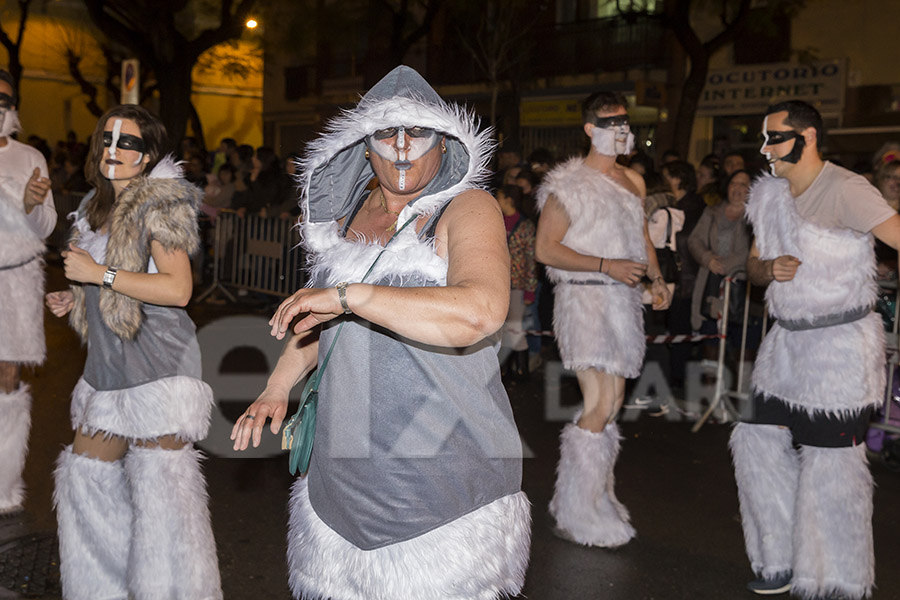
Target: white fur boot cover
[(173, 553), (582, 504), (766, 469), (479, 556), (15, 423), (833, 529), (93, 509)]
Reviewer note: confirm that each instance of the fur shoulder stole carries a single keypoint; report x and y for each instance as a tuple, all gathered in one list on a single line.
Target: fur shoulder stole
[(152, 208)]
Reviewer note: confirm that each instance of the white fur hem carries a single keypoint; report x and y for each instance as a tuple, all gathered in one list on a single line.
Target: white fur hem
[(14, 428), (173, 405), (479, 556)]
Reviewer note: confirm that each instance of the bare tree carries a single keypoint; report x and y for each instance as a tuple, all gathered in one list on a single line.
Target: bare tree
[(159, 34), (501, 42), (406, 28), (13, 48)]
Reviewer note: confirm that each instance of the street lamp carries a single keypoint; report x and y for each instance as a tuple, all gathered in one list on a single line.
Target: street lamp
[(251, 23)]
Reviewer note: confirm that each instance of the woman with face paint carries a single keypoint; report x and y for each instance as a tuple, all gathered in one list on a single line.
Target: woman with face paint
[(130, 496), (413, 489)]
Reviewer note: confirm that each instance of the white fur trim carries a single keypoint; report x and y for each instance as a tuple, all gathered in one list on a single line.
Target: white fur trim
[(581, 504), (168, 168), (838, 370), (173, 405), (18, 241), (173, 553), (476, 557), (766, 468), (341, 260), (14, 428), (837, 273), (22, 314), (833, 529), (600, 326), (93, 509), (605, 219)]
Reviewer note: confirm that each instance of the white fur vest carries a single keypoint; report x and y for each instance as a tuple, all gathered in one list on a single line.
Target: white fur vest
[(605, 219), (837, 274), (162, 207), (18, 241)]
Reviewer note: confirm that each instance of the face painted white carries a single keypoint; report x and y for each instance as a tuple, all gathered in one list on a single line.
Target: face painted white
[(768, 155), (612, 141), (116, 132), (402, 149), (9, 122)]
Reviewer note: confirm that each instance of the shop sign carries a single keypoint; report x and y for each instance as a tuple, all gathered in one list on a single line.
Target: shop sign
[(555, 112), (750, 89)]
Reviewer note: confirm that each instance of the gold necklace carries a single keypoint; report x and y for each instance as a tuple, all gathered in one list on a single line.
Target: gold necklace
[(388, 211)]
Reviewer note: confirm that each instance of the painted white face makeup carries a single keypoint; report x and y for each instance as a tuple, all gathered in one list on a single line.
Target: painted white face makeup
[(119, 143), (612, 141), (768, 155), (401, 146), (9, 118)]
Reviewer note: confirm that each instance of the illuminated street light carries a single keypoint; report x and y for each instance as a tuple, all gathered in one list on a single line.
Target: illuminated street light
[(251, 23)]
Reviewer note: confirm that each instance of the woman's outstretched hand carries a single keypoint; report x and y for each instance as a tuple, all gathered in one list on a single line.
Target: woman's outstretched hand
[(270, 405), (320, 304)]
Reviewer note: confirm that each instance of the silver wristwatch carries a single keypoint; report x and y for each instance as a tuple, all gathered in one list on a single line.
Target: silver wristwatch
[(342, 296), (109, 277)]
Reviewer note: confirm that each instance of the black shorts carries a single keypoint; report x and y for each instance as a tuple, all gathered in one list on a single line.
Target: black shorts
[(812, 429)]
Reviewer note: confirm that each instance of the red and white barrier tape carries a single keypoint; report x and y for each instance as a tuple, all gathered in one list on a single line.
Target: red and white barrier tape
[(655, 339)]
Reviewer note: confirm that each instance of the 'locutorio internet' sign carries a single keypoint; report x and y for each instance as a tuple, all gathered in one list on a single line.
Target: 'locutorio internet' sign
[(750, 89)]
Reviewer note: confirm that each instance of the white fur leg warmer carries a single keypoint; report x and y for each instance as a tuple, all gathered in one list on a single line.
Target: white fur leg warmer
[(173, 553), (766, 468), (833, 529), (15, 423), (582, 503), (93, 509), (479, 556)]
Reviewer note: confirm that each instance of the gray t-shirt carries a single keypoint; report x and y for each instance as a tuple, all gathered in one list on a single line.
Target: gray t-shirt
[(839, 198)]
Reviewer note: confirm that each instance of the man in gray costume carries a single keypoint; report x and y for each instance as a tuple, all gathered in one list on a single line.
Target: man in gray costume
[(27, 216), (593, 237), (807, 512)]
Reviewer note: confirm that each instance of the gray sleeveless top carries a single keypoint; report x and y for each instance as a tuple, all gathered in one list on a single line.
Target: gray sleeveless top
[(409, 436)]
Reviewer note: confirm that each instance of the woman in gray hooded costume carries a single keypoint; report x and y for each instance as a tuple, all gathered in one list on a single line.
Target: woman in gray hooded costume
[(413, 489)]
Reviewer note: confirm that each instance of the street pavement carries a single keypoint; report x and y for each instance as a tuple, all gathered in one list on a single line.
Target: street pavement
[(678, 485)]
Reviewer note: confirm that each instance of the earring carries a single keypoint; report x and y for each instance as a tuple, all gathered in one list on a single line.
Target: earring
[(367, 154), (443, 147)]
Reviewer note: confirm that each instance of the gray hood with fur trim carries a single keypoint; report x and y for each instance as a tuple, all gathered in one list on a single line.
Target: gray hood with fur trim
[(335, 172)]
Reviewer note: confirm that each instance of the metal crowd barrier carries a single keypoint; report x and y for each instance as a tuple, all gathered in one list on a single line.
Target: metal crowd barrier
[(255, 254), (65, 204)]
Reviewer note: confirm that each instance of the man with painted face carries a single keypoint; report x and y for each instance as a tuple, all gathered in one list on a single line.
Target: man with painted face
[(27, 216), (803, 482), (593, 238)]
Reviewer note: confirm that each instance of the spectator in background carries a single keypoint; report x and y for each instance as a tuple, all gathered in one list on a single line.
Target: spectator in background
[(266, 188), (720, 243), (75, 181), (523, 279), (242, 161), (887, 180), (733, 161), (40, 144), (641, 163), (669, 155), (540, 161), (683, 184), (527, 182), (195, 171), (708, 180), (220, 156)]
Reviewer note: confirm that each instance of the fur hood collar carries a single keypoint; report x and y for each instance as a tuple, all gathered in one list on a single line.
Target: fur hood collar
[(334, 172), (161, 207)]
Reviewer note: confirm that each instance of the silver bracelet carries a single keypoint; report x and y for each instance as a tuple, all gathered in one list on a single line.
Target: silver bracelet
[(342, 296)]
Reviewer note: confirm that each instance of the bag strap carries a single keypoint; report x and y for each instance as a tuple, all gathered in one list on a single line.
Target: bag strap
[(318, 374), (668, 227)]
